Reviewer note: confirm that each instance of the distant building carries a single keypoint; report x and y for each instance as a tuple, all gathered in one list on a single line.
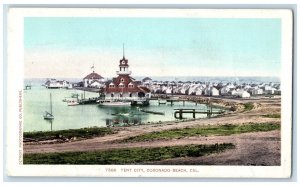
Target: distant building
[(257, 91), (147, 81), (225, 91), (214, 92), (211, 91), (242, 94), (53, 84), (89, 80), (96, 84)]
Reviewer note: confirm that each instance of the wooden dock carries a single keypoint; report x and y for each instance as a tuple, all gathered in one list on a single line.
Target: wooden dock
[(178, 114), (171, 100)]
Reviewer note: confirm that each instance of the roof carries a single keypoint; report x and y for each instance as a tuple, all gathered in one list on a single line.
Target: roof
[(146, 79), (93, 75), (126, 79), (145, 89)]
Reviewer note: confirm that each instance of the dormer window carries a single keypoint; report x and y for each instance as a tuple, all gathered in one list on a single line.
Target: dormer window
[(130, 85), (111, 85), (121, 85)]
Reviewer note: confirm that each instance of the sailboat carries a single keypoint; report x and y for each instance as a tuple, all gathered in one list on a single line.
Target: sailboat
[(49, 116)]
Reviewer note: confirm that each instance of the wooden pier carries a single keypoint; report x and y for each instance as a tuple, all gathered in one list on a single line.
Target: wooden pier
[(180, 112), (176, 100), (170, 100)]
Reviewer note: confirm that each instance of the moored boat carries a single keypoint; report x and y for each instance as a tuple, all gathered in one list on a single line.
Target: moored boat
[(73, 103), (49, 115)]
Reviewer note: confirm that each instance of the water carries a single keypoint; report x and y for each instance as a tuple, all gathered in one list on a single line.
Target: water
[(37, 101)]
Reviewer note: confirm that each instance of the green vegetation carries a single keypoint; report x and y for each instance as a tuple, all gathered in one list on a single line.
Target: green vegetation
[(125, 156), (272, 115), (248, 106), (221, 130), (67, 134)]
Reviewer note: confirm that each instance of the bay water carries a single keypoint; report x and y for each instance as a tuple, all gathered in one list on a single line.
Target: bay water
[(37, 101)]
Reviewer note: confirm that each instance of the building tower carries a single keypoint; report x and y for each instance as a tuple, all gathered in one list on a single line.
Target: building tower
[(123, 65)]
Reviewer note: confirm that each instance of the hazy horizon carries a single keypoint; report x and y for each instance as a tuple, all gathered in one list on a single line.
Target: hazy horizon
[(254, 79)]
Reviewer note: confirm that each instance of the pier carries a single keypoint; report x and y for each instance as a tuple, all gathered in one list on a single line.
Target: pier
[(171, 100), (177, 100), (208, 112)]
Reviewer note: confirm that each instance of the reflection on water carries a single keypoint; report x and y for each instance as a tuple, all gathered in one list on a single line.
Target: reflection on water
[(124, 122), (36, 102), (122, 116)]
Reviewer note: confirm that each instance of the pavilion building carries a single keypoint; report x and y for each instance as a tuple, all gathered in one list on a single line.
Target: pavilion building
[(124, 86)]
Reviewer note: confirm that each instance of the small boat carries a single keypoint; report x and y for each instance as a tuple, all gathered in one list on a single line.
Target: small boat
[(114, 103), (72, 103), (49, 115)]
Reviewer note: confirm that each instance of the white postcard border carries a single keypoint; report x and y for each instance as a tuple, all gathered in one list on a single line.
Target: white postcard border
[(15, 76)]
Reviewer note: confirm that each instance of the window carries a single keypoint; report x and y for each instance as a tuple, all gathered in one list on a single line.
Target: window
[(112, 95), (111, 85), (122, 80), (130, 85), (121, 85)]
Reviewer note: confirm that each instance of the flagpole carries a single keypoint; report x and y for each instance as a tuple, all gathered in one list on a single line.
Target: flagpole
[(123, 51)]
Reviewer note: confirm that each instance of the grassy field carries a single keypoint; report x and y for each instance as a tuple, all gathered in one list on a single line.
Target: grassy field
[(220, 130), (248, 106), (272, 115), (67, 134), (125, 156)]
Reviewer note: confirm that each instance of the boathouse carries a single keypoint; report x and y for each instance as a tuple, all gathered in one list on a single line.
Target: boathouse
[(93, 80), (124, 86)]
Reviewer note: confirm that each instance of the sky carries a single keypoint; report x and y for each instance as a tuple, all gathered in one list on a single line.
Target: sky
[(67, 47)]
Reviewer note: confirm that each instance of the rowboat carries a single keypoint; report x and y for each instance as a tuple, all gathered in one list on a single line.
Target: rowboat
[(73, 103)]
